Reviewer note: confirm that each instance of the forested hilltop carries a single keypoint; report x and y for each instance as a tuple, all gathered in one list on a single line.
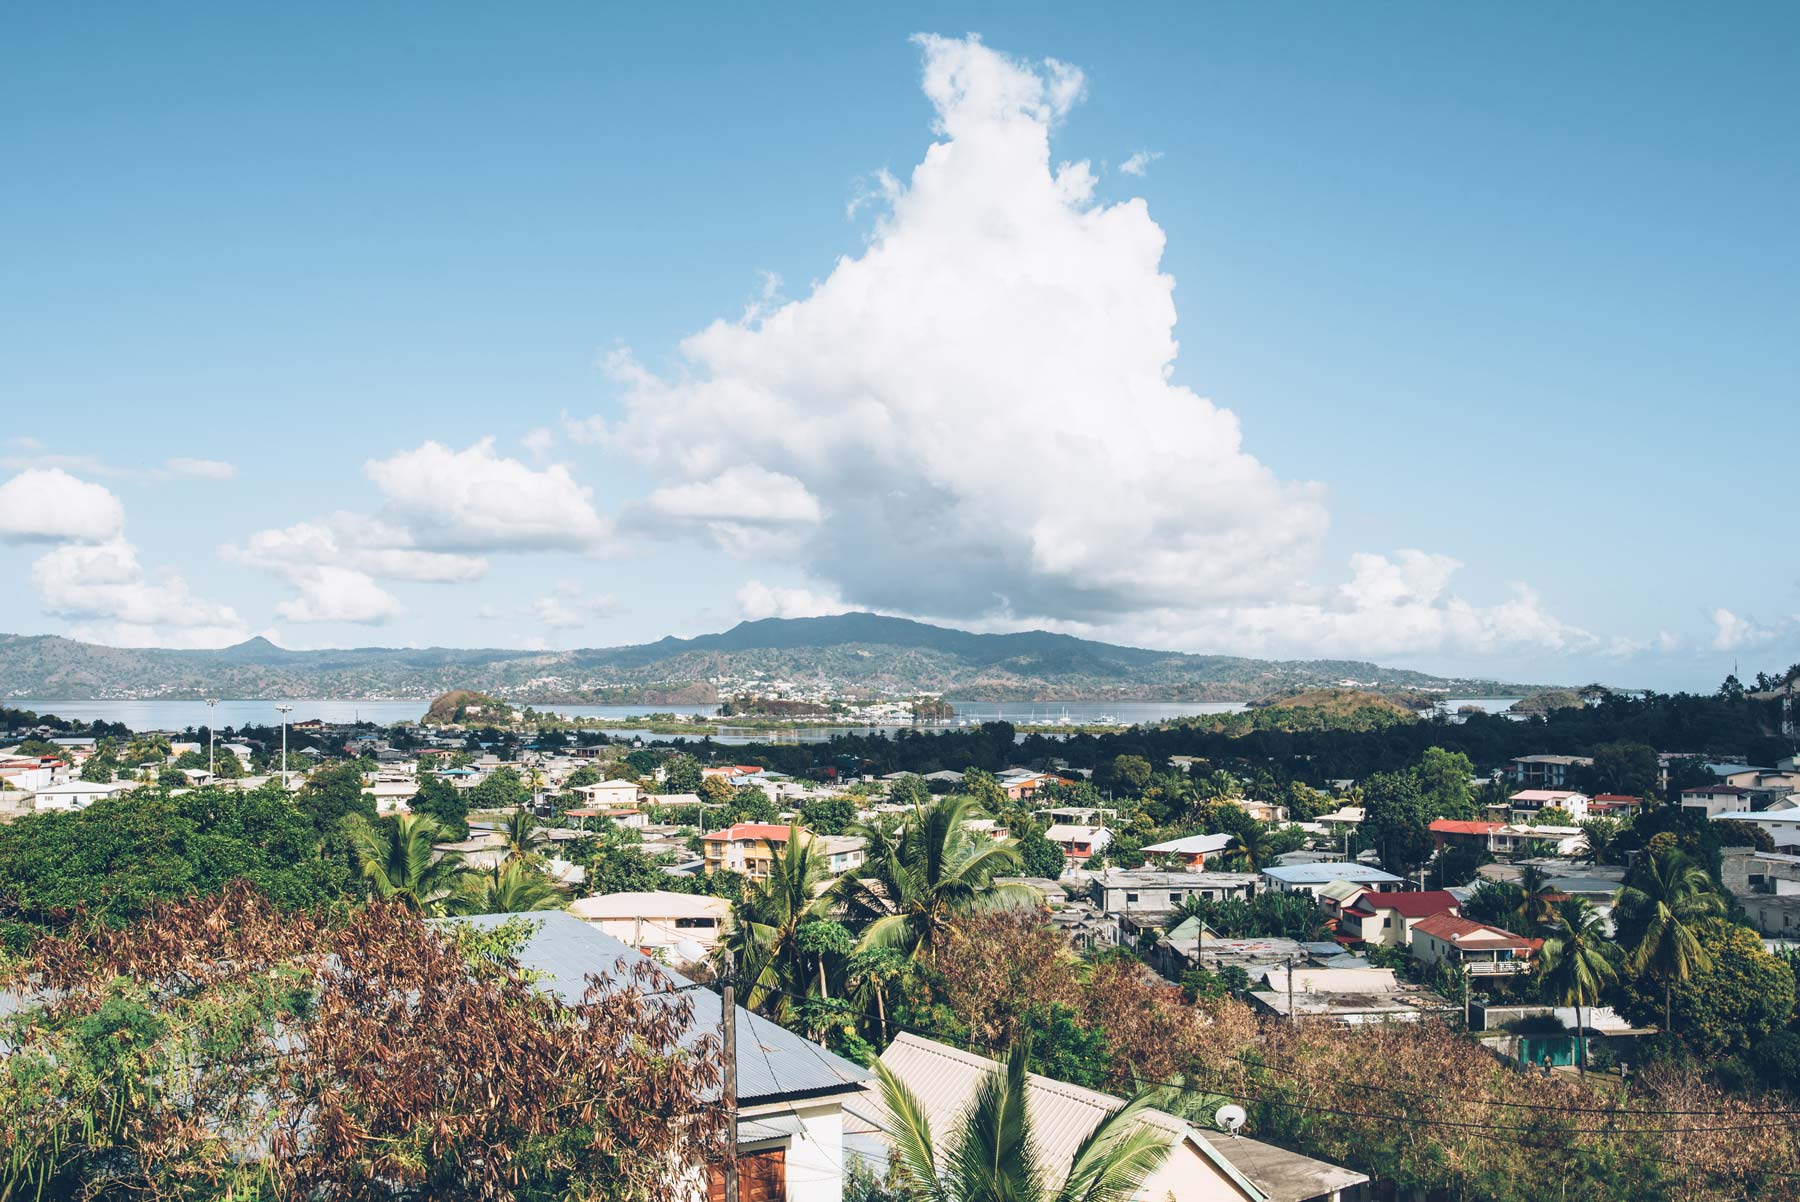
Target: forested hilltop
[(847, 653)]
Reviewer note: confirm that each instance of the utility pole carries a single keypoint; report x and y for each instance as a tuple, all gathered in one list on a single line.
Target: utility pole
[(284, 710), (211, 703), (1465, 979), (731, 1164), (1293, 1014)]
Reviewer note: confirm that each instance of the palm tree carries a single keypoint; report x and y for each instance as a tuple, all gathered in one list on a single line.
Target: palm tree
[(515, 887), (993, 1159), (1535, 908), (1577, 963), (398, 860), (521, 826), (1657, 911), (762, 938), (911, 887), (1255, 848)]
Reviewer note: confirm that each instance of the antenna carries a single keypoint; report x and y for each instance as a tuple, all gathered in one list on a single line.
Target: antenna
[(1230, 1118)]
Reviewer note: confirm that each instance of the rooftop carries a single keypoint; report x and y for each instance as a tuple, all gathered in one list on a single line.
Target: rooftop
[(1324, 874), (749, 830), (1407, 905), (1454, 929), (772, 1062)]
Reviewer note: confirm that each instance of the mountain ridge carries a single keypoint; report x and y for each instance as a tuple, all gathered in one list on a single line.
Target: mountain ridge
[(849, 653)]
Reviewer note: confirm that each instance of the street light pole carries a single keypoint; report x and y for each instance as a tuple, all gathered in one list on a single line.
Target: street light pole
[(285, 711), (211, 765)]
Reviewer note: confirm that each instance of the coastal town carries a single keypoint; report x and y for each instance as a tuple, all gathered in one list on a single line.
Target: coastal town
[(876, 603), (879, 928)]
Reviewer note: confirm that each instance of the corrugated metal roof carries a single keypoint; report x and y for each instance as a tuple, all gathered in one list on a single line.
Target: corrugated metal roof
[(772, 1062), (945, 1080)]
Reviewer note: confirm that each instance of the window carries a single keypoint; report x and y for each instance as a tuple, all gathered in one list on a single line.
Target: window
[(1130, 897)]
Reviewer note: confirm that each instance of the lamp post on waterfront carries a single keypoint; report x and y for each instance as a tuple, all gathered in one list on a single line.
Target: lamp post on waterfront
[(211, 766), (285, 711)]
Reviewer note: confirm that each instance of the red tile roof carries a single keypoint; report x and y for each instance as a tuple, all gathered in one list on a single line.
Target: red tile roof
[(1617, 799), (1459, 826), (1451, 927), (1728, 790), (749, 830), (1408, 905)]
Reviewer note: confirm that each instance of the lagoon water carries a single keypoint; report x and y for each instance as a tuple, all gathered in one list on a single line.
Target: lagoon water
[(163, 714)]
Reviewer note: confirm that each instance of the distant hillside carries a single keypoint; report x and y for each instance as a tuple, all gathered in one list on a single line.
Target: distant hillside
[(851, 653)]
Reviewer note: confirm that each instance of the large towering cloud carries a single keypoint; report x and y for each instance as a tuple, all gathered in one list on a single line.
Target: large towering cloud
[(976, 415)]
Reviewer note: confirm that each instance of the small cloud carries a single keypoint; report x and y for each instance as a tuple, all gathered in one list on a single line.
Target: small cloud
[(1140, 162), (1731, 632), (758, 600), (200, 469)]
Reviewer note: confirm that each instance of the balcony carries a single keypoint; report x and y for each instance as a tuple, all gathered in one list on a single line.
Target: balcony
[(1495, 968)]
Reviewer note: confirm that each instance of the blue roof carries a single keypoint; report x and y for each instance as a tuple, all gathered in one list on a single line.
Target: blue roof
[(1324, 874), (773, 1062)]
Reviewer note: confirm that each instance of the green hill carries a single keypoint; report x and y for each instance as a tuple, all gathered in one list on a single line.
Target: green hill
[(853, 653)]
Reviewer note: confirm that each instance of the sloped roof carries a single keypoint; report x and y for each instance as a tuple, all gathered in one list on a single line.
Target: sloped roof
[(772, 1062), (945, 1080), (1407, 905), (1193, 845), (1458, 826), (749, 830), (1454, 929)]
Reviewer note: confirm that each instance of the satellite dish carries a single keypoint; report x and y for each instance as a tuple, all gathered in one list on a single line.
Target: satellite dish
[(1230, 1117)]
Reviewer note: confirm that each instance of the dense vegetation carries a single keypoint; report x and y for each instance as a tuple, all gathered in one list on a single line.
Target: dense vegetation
[(852, 652)]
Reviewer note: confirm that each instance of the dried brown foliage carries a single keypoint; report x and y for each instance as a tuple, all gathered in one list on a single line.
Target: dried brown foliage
[(221, 1046), (1417, 1105), (999, 967)]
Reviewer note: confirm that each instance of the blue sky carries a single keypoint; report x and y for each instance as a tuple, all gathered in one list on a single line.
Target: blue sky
[(1502, 301)]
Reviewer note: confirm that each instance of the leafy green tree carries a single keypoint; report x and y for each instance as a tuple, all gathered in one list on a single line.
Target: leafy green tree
[(911, 886), (1631, 769), (992, 1156), (715, 790), (681, 775), (828, 815), (501, 789), (120, 856), (1459, 865), (332, 793), (1039, 857), (910, 790), (1444, 780), (1578, 962), (980, 784), (1742, 997), (397, 859), (1397, 819), (99, 769), (515, 887), (1657, 913), (1127, 774), (445, 804), (583, 776)]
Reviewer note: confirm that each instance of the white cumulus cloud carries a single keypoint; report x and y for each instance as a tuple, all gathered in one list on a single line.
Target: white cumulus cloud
[(337, 594), (1732, 631), (976, 416), (758, 600), (476, 500), (48, 505), (103, 587)]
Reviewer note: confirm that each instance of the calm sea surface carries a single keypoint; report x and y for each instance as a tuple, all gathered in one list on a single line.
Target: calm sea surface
[(179, 715)]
